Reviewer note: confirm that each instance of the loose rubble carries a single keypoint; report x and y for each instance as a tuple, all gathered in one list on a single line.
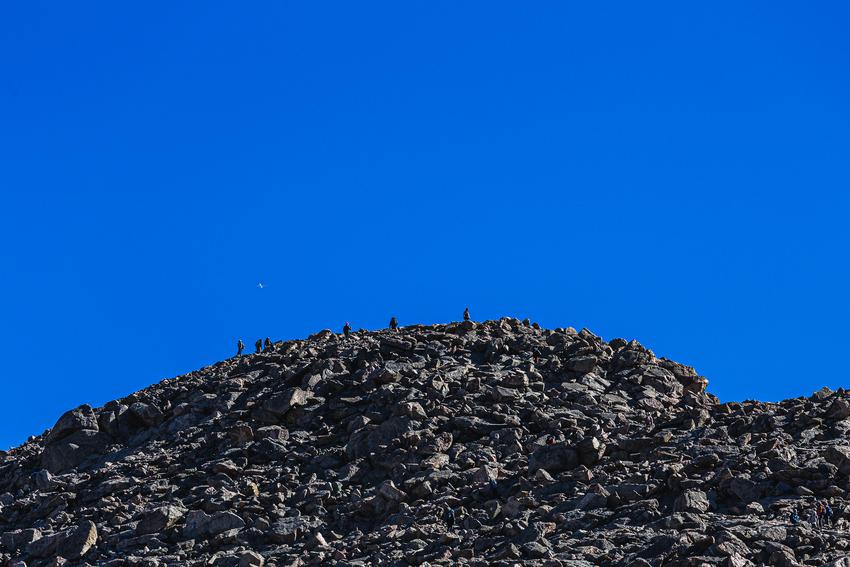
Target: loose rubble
[(495, 443)]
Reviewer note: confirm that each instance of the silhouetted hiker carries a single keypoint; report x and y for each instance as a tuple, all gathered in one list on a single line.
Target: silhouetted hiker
[(240, 346), (346, 330), (267, 346), (393, 324), (449, 518), (259, 345), (466, 314)]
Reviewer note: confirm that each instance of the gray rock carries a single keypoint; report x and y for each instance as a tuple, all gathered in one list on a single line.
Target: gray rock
[(73, 449), (282, 403), (691, 501), (251, 559), (14, 540), (70, 544), (71, 421), (554, 458), (201, 524), (291, 529), (159, 519)]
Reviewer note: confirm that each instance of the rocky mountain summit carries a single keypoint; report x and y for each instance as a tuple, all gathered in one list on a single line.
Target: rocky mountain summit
[(495, 443)]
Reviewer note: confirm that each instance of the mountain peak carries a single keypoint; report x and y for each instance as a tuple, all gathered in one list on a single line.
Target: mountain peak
[(480, 443)]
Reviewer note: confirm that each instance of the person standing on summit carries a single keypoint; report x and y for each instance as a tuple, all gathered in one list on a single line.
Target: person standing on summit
[(346, 330), (240, 346), (267, 345), (259, 345), (466, 314), (393, 323)]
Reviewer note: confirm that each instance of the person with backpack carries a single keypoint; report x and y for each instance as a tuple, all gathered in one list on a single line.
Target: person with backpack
[(393, 323), (813, 517), (240, 346), (346, 330), (267, 345), (259, 346), (466, 314), (820, 511), (828, 515)]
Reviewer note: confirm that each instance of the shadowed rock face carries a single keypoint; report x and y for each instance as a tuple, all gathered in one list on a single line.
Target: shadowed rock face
[(550, 447)]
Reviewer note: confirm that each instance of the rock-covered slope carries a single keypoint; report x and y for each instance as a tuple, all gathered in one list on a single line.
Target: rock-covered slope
[(469, 443)]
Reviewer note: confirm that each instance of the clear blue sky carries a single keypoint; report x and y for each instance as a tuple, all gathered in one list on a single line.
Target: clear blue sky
[(672, 172)]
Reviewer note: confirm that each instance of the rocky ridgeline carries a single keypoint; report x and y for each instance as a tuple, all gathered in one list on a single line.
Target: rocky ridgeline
[(551, 447)]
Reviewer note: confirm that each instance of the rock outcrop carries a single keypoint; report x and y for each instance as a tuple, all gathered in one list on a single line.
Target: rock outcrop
[(496, 443)]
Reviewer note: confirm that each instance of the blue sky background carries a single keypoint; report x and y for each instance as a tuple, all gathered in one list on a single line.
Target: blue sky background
[(672, 172)]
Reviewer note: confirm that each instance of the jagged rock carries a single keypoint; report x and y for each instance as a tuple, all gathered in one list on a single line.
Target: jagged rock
[(553, 458), (201, 524), (14, 540), (840, 457), (289, 530), (70, 544), (73, 449), (159, 519), (692, 501), (285, 401), (838, 410), (251, 559), (71, 421)]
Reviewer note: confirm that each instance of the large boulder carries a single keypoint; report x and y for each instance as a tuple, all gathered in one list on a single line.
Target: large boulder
[(745, 489), (72, 421), (288, 530), (70, 544), (838, 410), (14, 540), (691, 501), (72, 450), (553, 458), (199, 524), (839, 456), (283, 402), (159, 519)]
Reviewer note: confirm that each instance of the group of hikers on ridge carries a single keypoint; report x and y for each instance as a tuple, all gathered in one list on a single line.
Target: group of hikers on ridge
[(260, 346), (819, 516), (267, 346)]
